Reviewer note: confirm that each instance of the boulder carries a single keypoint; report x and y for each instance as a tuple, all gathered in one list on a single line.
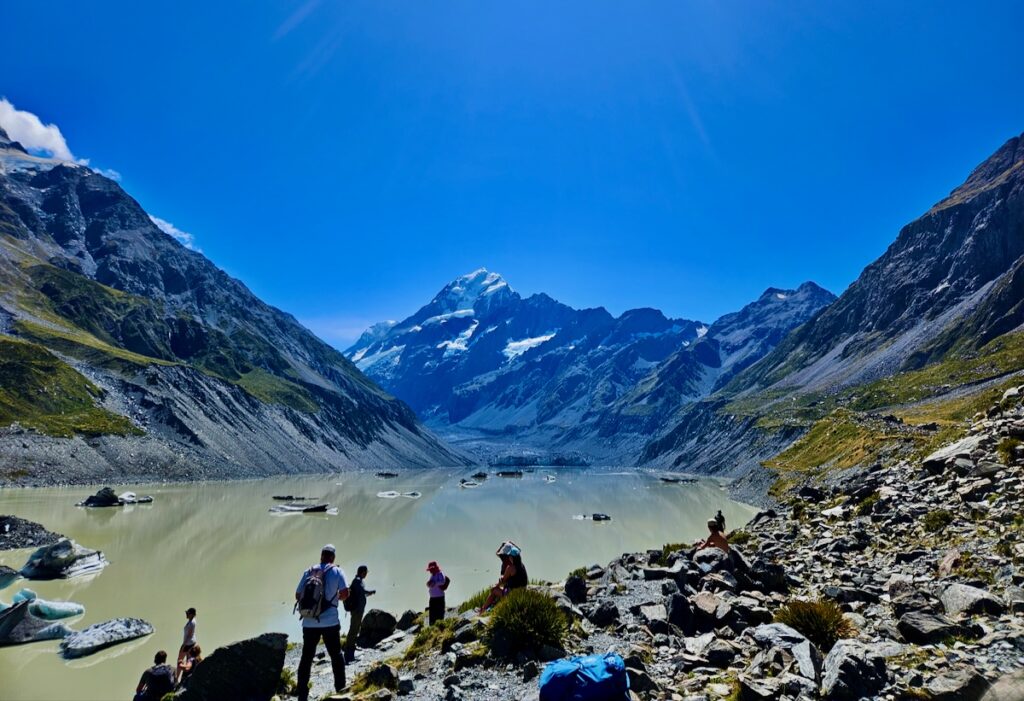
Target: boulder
[(960, 598), (407, 621), (949, 562), (653, 612), (910, 599), (712, 560), (604, 614), (62, 560), (936, 462), (928, 628), (576, 589), (852, 670), (100, 636), (104, 497), (779, 635), (19, 625), (382, 675), (767, 689), (976, 490), (961, 685), (704, 607), (720, 653), (768, 576), (377, 625), (680, 613), (249, 670)]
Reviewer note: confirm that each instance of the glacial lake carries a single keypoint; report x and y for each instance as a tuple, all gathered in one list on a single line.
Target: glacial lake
[(216, 546)]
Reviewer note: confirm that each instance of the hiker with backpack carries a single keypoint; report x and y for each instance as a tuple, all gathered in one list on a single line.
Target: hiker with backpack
[(157, 681), (437, 585), (316, 600), (355, 604)]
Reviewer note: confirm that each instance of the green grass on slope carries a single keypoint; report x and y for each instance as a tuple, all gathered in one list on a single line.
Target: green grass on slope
[(271, 389), (40, 391)]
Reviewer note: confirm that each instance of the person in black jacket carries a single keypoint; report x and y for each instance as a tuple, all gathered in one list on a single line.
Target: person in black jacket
[(356, 606), (157, 681)]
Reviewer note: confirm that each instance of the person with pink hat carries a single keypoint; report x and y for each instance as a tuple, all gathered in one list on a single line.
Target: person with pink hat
[(436, 585)]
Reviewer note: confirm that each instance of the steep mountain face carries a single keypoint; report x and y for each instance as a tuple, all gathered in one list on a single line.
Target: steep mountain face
[(733, 343), (949, 280), (480, 358), (935, 320), (212, 380)]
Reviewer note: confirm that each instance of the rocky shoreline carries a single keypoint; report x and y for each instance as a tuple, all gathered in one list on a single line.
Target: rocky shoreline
[(921, 563)]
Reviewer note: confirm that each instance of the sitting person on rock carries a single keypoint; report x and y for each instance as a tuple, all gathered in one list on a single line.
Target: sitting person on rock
[(192, 660), (157, 681), (716, 538), (513, 574)]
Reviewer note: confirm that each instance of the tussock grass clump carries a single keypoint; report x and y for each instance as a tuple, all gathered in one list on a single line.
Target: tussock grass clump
[(820, 621), (475, 601), (579, 572), (1006, 448), (667, 549), (937, 520), (867, 506), (739, 537), (524, 621), (432, 638)]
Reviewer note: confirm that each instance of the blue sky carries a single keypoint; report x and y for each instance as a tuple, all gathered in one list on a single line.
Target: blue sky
[(346, 159)]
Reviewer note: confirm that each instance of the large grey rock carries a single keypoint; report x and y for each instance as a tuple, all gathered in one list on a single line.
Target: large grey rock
[(852, 670), (928, 628), (680, 613), (62, 560), (712, 560), (961, 685), (383, 675), (604, 614), (960, 598), (1006, 688), (779, 635), (407, 621), (104, 497), (377, 625), (249, 670), (576, 589), (937, 460), (103, 635), (19, 625)]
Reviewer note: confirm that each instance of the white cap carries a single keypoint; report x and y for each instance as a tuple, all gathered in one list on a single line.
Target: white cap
[(328, 549)]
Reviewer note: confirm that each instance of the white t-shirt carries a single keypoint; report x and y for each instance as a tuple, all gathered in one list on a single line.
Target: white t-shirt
[(190, 634)]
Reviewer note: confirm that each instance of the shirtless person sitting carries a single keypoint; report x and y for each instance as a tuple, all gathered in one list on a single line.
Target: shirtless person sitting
[(716, 539)]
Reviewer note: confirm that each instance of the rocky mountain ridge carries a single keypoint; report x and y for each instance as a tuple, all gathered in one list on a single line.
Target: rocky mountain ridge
[(167, 366), (481, 361)]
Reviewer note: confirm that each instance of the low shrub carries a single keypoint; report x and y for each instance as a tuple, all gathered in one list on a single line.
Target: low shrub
[(667, 549), (739, 537), (475, 601), (936, 520), (1006, 448), (821, 622), (579, 572), (287, 683), (524, 621), (865, 507), (432, 638)]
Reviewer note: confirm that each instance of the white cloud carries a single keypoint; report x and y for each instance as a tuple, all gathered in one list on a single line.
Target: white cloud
[(184, 238), (29, 130), (108, 173)]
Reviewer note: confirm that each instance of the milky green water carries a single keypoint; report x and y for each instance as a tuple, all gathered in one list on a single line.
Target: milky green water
[(215, 546)]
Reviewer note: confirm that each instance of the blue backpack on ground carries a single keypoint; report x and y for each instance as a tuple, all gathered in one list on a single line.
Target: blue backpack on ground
[(590, 678)]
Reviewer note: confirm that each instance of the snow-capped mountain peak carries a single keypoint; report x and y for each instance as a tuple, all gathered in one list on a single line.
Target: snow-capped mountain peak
[(464, 292)]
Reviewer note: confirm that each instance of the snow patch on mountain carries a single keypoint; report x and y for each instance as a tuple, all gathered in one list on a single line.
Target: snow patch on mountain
[(516, 348)]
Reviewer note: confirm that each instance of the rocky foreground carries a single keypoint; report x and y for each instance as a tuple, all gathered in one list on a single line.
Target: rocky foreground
[(922, 560)]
